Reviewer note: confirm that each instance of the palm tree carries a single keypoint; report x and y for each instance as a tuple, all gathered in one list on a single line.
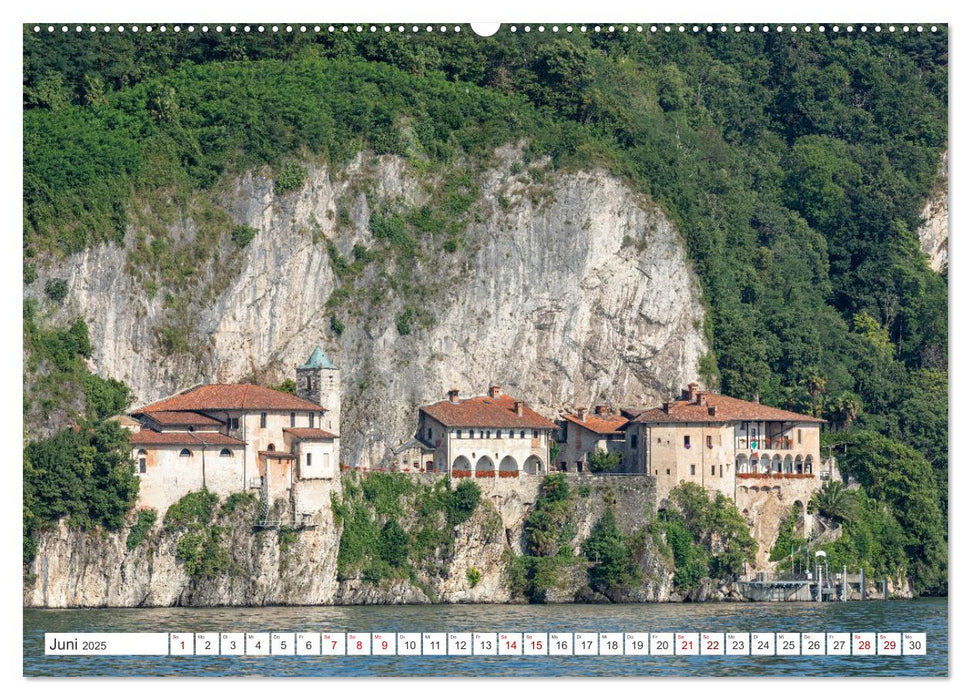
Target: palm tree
[(816, 384), (833, 501), (845, 408)]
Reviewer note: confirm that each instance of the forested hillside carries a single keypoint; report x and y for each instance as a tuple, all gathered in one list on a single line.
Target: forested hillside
[(794, 165)]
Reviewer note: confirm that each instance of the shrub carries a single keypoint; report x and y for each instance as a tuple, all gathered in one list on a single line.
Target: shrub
[(56, 290), (473, 576), (236, 501), (336, 325), (404, 321), (193, 509), (463, 501), (603, 461), (394, 544), (290, 176), (146, 518), (242, 235)]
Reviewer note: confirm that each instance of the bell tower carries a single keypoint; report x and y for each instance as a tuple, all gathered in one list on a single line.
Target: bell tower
[(318, 380)]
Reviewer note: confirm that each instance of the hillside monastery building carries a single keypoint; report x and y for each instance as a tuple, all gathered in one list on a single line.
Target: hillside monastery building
[(231, 438), (719, 442), (494, 435)]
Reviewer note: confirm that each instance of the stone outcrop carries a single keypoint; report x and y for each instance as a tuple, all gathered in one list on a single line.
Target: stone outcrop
[(933, 233), (270, 567), (568, 289)]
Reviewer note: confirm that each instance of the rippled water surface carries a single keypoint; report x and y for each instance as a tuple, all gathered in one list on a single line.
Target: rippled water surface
[(926, 615)]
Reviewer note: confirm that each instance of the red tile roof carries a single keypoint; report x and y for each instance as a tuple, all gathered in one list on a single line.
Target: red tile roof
[(486, 412), (181, 418), (599, 423), (219, 397), (727, 409), (310, 434), (152, 437)]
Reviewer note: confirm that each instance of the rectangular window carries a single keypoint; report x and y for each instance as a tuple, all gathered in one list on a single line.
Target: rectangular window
[(720, 473), (535, 434), (633, 441), (309, 455), (234, 423), (263, 419), (429, 433), (687, 441), (799, 436), (141, 465), (668, 472), (522, 434), (709, 442), (311, 419), (713, 470), (293, 419), (692, 470)]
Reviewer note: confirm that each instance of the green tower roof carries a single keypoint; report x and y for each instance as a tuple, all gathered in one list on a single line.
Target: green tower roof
[(317, 360)]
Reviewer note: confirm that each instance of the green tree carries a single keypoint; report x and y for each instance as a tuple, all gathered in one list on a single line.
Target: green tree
[(834, 501), (607, 549), (603, 461)]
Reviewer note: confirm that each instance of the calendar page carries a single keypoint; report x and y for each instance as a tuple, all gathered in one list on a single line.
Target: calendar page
[(556, 349)]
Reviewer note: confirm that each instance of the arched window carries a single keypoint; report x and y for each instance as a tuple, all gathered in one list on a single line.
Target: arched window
[(271, 447), (142, 461), (185, 453), (225, 452)]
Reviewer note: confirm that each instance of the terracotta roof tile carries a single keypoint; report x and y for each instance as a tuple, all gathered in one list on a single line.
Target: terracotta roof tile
[(486, 412), (599, 423), (152, 437), (310, 434), (181, 418), (727, 409), (218, 397)]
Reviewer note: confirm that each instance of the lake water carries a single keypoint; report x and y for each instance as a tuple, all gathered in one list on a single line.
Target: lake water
[(925, 615)]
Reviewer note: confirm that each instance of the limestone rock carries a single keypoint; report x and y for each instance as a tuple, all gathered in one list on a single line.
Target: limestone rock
[(933, 233), (569, 290)]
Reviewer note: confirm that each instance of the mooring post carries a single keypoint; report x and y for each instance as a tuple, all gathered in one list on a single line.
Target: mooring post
[(862, 585), (844, 583)]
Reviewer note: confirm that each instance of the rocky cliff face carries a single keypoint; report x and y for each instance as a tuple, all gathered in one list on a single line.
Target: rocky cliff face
[(568, 289), (934, 233), (77, 569)]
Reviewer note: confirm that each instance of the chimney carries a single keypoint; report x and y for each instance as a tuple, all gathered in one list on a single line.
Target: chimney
[(692, 391), (755, 397), (713, 410), (582, 414), (666, 407), (601, 410), (519, 408), (701, 399), (494, 391), (453, 395)]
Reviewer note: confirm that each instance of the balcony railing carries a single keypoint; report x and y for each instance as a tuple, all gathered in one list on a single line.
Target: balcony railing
[(776, 443)]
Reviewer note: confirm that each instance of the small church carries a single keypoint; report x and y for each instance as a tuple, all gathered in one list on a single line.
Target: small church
[(231, 438)]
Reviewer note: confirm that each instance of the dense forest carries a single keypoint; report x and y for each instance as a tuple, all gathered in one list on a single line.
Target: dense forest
[(795, 166)]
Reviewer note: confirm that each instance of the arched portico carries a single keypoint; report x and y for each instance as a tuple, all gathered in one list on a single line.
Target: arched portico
[(741, 463), (462, 463), (534, 465), (485, 464), (508, 464)]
